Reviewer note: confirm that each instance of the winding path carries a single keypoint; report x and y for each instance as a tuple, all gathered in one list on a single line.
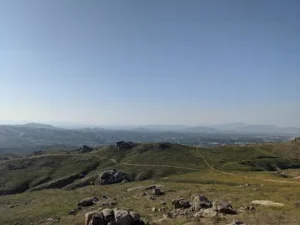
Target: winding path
[(246, 177), (154, 165)]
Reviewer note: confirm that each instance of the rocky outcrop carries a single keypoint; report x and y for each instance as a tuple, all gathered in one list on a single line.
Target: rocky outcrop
[(113, 176), (123, 145), (113, 217), (200, 207)]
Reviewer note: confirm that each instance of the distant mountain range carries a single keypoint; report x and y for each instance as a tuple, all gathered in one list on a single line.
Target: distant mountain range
[(231, 127), (35, 136)]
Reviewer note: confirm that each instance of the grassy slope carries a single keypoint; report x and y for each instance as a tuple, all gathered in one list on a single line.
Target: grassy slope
[(49, 203), (50, 166)]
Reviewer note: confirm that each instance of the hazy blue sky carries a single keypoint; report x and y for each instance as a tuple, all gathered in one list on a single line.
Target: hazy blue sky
[(150, 62)]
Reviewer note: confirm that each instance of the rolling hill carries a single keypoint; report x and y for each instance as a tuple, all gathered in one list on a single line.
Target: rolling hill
[(59, 168)]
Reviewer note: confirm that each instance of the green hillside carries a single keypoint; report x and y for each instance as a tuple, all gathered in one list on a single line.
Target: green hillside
[(59, 169)]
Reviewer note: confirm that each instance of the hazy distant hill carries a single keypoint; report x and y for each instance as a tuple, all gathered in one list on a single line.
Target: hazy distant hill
[(165, 127), (34, 136), (37, 125), (200, 129), (247, 128)]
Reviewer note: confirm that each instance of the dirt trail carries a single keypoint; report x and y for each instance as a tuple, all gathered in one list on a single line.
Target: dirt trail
[(146, 165), (154, 165), (247, 177), (195, 169)]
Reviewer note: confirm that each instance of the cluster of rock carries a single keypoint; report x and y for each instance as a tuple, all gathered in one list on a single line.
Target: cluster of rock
[(113, 176), (113, 217), (150, 192), (201, 207), (91, 201)]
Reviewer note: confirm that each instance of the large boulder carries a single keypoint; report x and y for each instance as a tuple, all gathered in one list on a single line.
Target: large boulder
[(113, 176), (223, 207)]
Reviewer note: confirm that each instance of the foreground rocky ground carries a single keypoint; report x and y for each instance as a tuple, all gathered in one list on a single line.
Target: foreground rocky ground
[(196, 198)]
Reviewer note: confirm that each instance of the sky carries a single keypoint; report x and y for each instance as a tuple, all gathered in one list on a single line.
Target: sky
[(132, 62)]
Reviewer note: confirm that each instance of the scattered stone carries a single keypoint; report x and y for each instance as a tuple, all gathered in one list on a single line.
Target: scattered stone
[(157, 191), (151, 198), (206, 213), (74, 211), (267, 203), (256, 189), (223, 207), (163, 203), (51, 220), (178, 212), (154, 209), (151, 187), (247, 208), (280, 173), (181, 203), (243, 185), (87, 202), (11, 206)]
